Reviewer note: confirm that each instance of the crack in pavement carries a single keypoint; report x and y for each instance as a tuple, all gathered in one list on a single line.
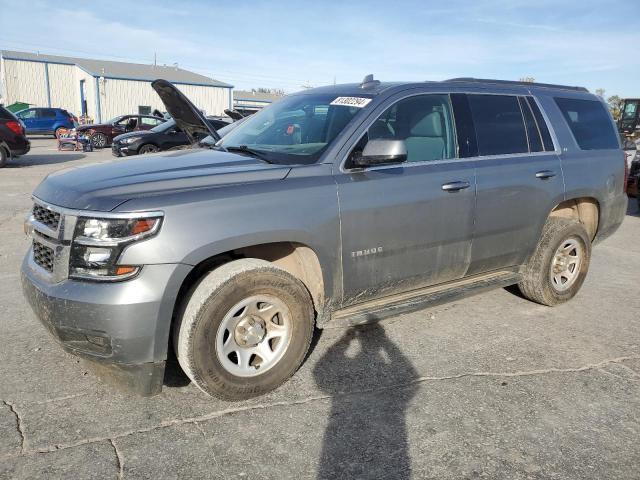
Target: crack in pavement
[(19, 426), (231, 411), (119, 459)]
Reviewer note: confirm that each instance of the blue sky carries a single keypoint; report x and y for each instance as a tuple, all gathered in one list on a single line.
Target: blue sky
[(286, 44)]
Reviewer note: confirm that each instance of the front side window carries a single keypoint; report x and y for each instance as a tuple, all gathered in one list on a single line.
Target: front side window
[(425, 124), (590, 123), (296, 129), (47, 113), (26, 114), (499, 125)]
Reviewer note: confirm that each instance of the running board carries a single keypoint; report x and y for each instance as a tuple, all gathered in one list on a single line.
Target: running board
[(381, 308)]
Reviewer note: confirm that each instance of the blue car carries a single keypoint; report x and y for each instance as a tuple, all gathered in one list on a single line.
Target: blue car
[(46, 120)]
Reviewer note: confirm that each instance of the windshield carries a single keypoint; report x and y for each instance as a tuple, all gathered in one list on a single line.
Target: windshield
[(296, 129), (164, 126), (115, 119)]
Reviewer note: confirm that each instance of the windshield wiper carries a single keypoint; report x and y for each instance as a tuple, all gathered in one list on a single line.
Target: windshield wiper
[(250, 151)]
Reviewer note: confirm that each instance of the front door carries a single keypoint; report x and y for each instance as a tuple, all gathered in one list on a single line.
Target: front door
[(409, 225)]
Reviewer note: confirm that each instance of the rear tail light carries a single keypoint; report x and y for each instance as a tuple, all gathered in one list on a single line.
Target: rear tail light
[(15, 127)]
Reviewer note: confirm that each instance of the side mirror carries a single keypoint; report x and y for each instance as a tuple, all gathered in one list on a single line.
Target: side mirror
[(381, 152)]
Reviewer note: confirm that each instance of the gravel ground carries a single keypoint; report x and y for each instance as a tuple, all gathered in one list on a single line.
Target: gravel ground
[(492, 386)]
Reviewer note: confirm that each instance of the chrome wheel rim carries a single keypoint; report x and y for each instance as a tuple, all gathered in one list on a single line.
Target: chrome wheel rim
[(254, 335), (566, 264), (99, 140)]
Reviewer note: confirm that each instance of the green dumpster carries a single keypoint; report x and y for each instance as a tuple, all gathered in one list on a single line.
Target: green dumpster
[(17, 106)]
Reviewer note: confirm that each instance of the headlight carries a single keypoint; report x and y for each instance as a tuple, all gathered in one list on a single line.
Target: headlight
[(129, 140), (98, 243)]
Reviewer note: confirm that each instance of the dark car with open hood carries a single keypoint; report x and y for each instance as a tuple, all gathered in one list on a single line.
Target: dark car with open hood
[(166, 136), (337, 205)]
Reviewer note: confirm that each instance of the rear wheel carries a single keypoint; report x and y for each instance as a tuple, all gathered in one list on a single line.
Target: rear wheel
[(4, 157), (556, 270), (99, 140), (244, 330), (148, 149)]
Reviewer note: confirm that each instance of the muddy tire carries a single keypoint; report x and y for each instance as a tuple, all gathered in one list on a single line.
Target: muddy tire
[(556, 270), (244, 329)]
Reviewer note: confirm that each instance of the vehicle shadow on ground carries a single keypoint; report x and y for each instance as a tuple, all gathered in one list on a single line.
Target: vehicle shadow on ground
[(365, 440), (35, 160)]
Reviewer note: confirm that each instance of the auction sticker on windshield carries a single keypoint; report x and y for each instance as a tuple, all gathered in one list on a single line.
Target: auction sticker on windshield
[(351, 101)]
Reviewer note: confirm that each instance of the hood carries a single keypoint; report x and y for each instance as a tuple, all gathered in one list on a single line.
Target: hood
[(138, 133), (190, 120), (104, 186)]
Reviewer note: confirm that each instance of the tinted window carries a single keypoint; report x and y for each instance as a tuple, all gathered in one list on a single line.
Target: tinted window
[(425, 124), (467, 143), (6, 114), (47, 113), (533, 134), (589, 122), (542, 125), (499, 125)]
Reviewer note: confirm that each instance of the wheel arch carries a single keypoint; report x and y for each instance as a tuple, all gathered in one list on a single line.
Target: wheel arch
[(586, 210), (298, 259)]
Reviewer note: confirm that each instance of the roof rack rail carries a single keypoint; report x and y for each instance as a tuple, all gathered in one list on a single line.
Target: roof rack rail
[(514, 82)]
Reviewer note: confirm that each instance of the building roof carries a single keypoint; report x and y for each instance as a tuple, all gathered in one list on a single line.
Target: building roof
[(120, 70), (255, 96)]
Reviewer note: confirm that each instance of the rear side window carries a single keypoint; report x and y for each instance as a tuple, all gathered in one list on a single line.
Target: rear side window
[(589, 122), (500, 128)]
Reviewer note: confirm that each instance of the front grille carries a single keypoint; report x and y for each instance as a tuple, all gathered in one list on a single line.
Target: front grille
[(43, 256), (47, 217)]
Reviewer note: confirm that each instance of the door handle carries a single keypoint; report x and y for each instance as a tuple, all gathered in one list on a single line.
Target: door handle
[(455, 186), (545, 174)]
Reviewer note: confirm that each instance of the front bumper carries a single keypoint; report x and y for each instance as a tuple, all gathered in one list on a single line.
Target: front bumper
[(122, 328), (118, 150)]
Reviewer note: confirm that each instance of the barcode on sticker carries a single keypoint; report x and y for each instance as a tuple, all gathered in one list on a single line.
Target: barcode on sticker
[(358, 102)]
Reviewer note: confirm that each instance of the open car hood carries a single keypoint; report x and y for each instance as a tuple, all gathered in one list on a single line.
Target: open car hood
[(187, 116)]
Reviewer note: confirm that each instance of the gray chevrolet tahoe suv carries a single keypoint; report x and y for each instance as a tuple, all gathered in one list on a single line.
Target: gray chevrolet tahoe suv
[(337, 205)]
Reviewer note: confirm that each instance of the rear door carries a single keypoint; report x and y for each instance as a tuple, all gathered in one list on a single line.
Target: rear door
[(46, 120), (401, 229), (147, 123), (518, 178)]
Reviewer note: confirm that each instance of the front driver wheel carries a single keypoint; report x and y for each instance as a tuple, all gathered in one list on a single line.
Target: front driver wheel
[(148, 149), (556, 270), (244, 330), (99, 140)]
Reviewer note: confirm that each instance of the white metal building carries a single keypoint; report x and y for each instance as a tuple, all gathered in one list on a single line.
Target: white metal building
[(249, 102), (101, 89)]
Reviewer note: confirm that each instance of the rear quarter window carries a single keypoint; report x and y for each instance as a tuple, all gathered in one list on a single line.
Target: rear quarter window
[(589, 122)]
